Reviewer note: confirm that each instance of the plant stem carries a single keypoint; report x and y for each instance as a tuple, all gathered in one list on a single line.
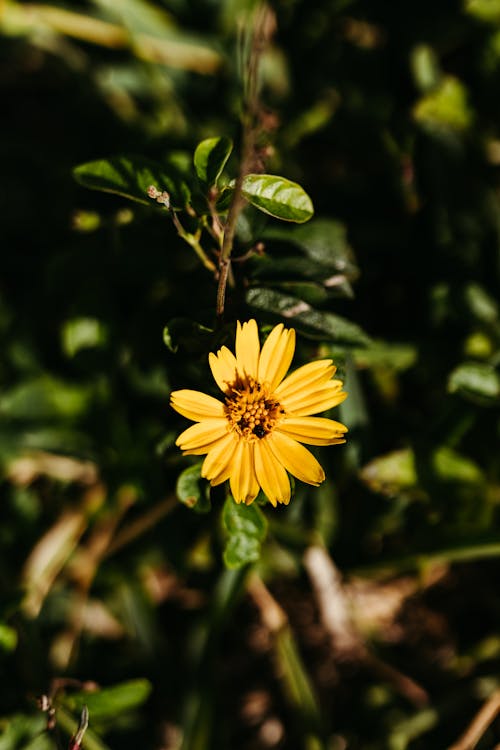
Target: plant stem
[(193, 240), (260, 36)]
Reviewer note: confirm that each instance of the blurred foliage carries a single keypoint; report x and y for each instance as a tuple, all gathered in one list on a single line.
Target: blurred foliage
[(114, 592)]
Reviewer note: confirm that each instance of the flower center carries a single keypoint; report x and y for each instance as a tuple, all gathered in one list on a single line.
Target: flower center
[(251, 409)]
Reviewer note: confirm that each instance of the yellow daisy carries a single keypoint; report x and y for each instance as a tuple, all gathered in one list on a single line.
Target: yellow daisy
[(253, 437)]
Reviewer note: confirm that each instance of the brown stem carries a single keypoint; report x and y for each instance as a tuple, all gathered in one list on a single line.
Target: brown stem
[(482, 720), (142, 524), (347, 642), (260, 36)]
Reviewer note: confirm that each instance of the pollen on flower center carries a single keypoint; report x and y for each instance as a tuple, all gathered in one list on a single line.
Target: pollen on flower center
[(251, 409)]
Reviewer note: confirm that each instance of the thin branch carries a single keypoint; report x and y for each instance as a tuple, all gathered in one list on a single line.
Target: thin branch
[(478, 726), (259, 39), (347, 642), (142, 524)]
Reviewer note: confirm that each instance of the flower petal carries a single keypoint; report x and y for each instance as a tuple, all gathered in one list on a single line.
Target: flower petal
[(218, 464), (312, 402), (271, 475), (202, 433), (312, 375), (196, 405), (295, 458), (276, 355), (223, 366), (313, 430), (244, 485), (247, 348)]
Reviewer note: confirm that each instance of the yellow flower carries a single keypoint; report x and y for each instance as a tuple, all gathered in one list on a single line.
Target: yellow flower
[(253, 437)]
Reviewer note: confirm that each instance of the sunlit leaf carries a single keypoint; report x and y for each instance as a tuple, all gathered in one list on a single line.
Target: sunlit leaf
[(8, 637), (44, 398), (484, 10), (49, 556), (82, 333), (26, 732), (451, 466), (391, 472), (316, 323), (397, 471), (445, 109), (112, 701), (246, 528), (380, 354), (425, 67), (138, 15), (131, 176), (481, 303), (476, 381), (278, 197), (210, 158)]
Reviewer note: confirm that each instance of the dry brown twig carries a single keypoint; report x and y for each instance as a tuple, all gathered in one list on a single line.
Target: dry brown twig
[(480, 723), (261, 33), (347, 642)]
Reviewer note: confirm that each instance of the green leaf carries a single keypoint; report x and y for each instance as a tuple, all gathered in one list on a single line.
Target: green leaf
[(82, 333), (323, 241), (192, 490), (397, 471), (445, 109), (381, 354), (311, 322), (484, 10), (278, 197), (8, 637), (187, 335), (451, 466), (246, 528), (391, 472), (111, 701), (480, 303), (224, 199), (139, 16), (131, 176), (22, 731), (69, 724), (45, 398), (210, 158), (476, 381)]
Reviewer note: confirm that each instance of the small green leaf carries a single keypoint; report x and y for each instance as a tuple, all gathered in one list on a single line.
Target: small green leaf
[(111, 701), (480, 303), (476, 381), (451, 466), (187, 335), (246, 528), (386, 356), (484, 10), (8, 637), (210, 158), (316, 323), (25, 731), (278, 197), (131, 176), (391, 472), (82, 333), (192, 490), (445, 109), (224, 199)]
